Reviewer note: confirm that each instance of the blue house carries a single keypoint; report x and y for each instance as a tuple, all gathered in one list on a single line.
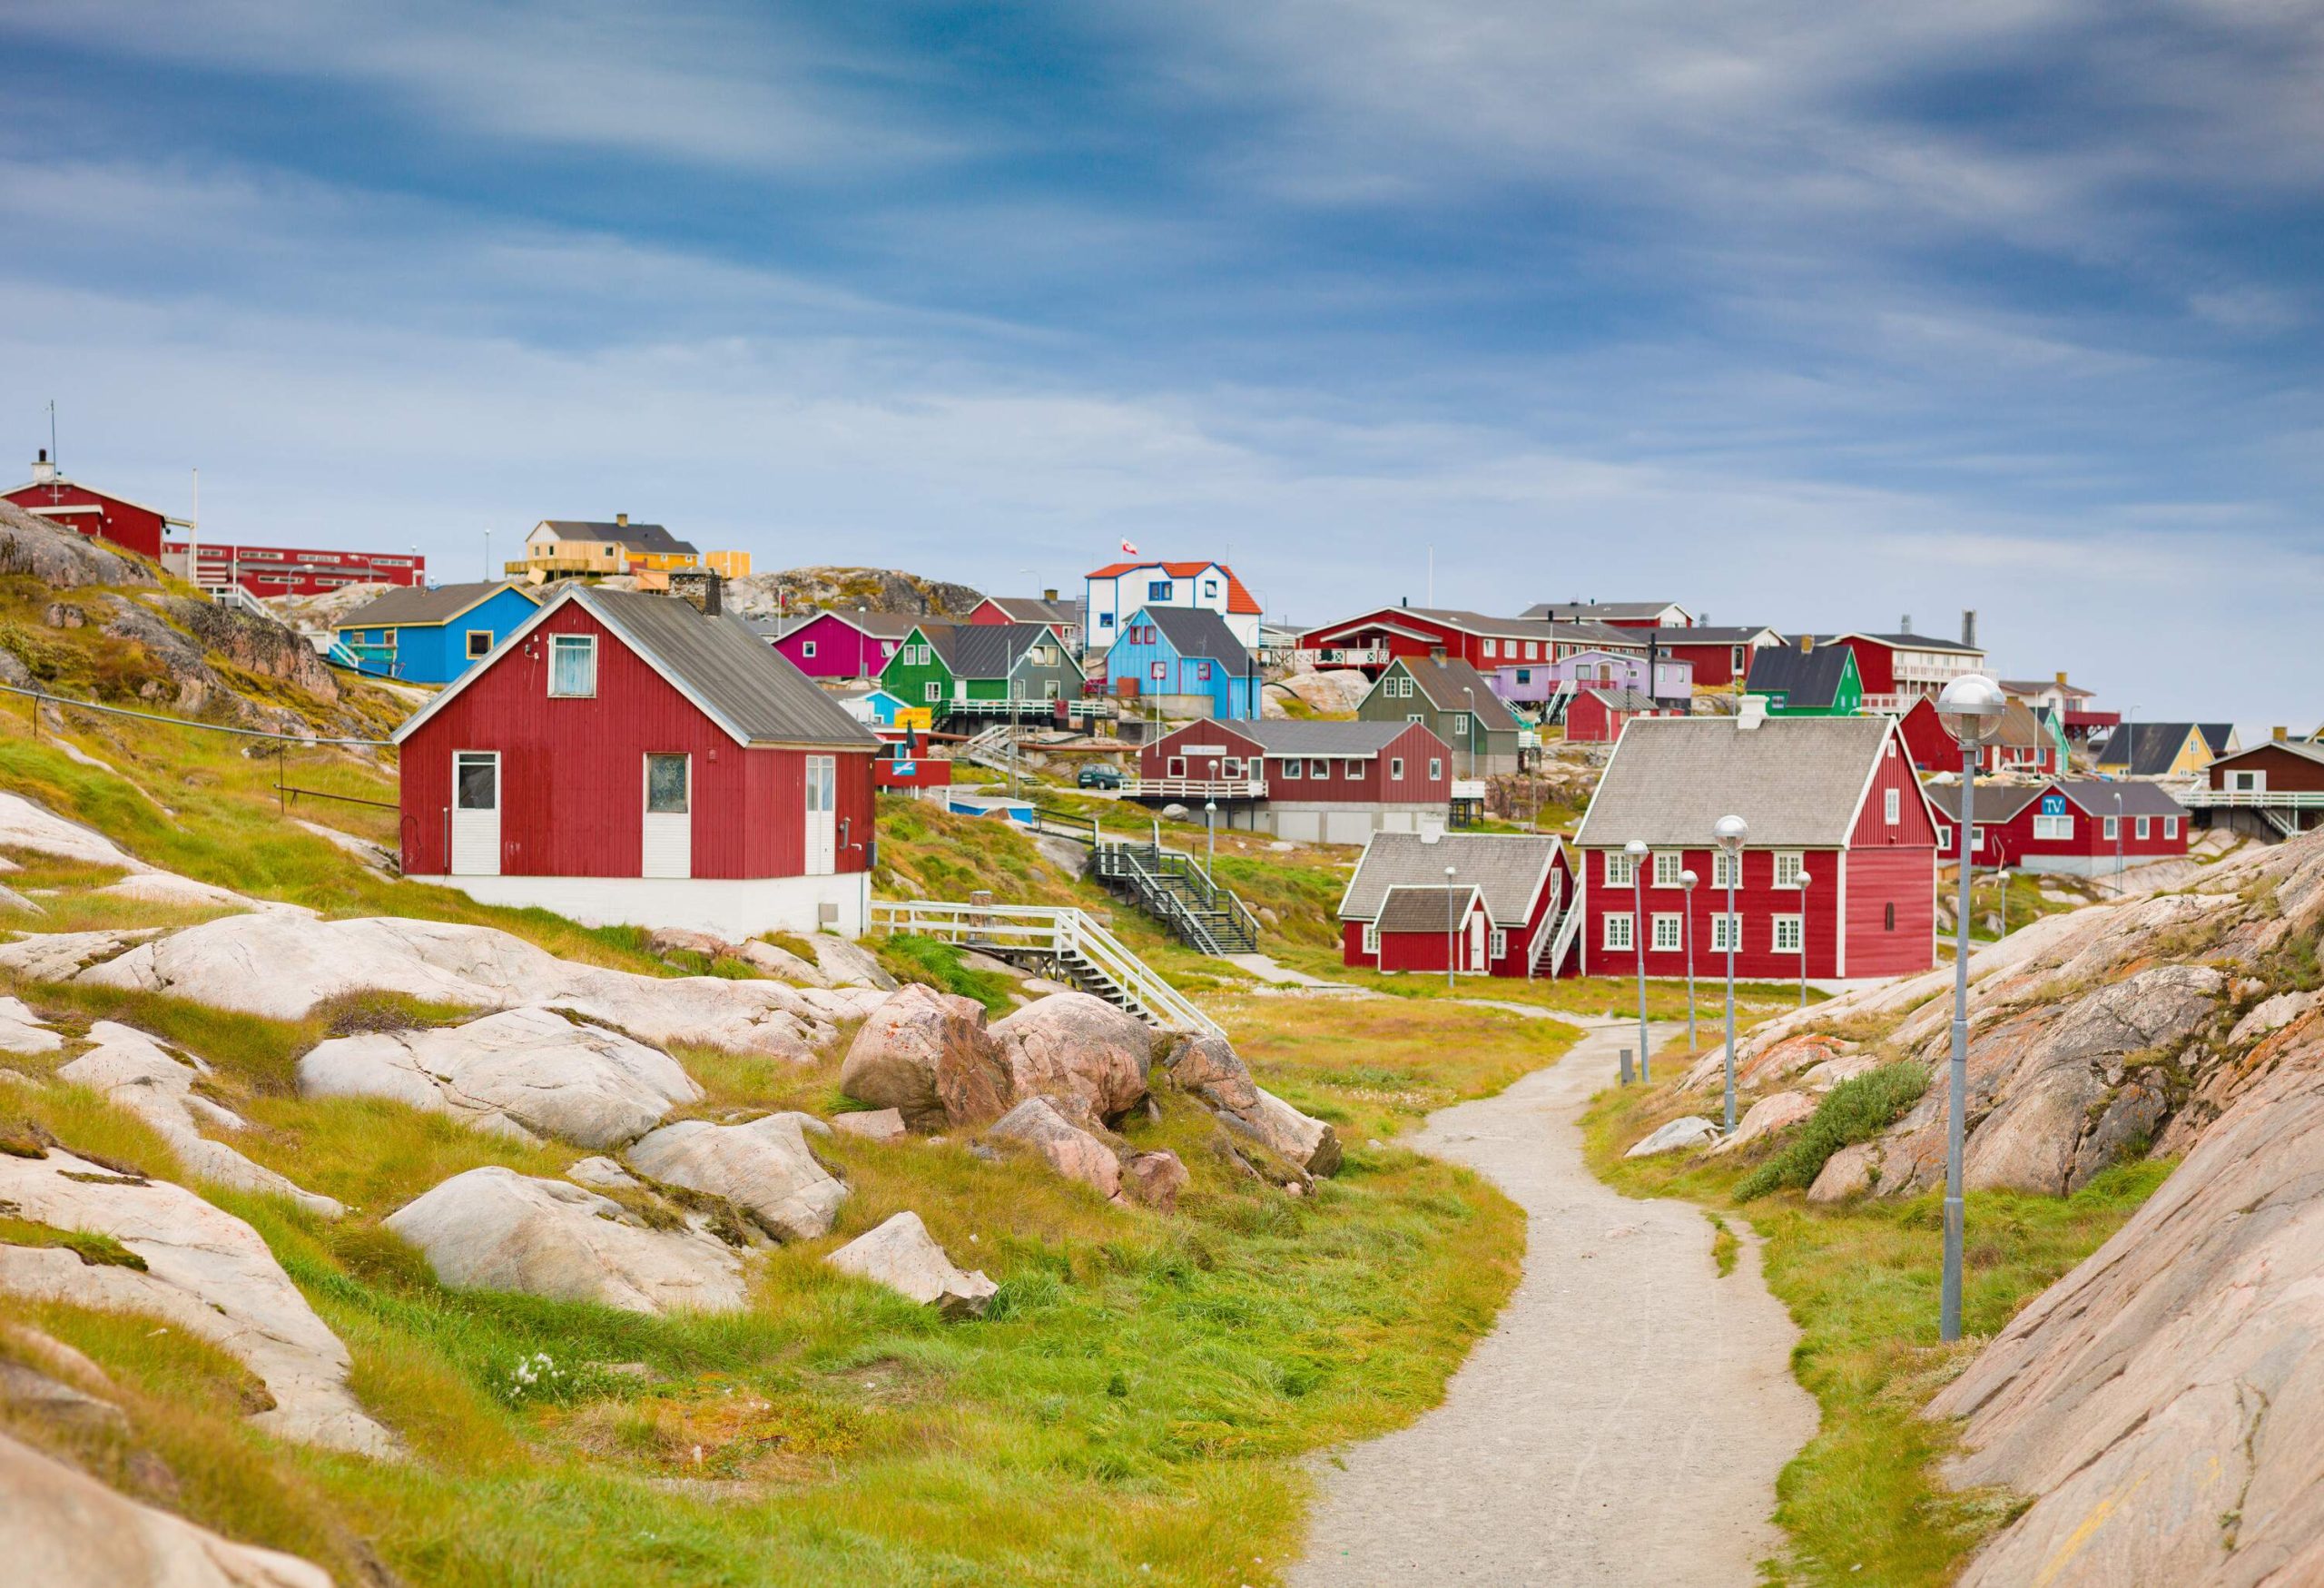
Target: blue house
[(1185, 651), (431, 636)]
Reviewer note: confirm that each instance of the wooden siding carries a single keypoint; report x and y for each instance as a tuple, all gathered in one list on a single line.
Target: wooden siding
[(1880, 879), (2288, 771), (125, 525), (841, 650), (1372, 786), (572, 773)]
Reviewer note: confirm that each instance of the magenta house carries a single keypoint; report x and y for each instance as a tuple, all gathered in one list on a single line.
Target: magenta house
[(1532, 683), (842, 645)]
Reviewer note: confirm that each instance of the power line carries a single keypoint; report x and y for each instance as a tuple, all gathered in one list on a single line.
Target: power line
[(179, 722)]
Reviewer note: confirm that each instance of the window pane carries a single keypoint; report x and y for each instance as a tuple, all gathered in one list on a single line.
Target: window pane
[(572, 665), (666, 784), (478, 781)]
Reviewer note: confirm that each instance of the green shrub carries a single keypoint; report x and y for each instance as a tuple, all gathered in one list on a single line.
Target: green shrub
[(1856, 1109), (934, 962)]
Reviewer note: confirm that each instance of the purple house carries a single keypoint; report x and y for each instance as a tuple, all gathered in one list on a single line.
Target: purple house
[(1531, 683), (840, 645)]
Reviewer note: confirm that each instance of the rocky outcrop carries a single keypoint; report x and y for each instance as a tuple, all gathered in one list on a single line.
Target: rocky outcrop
[(1073, 1153), (901, 1255), (281, 966), (26, 825), (1770, 1116), (63, 1528), (1334, 692), (256, 644), (1210, 1068), (492, 1229), (523, 1072), (764, 1168), (199, 1268), (156, 1084), (2165, 1400), (929, 1056), (23, 1032), (60, 559), (797, 590), (1691, 1131), (1082, 1053), (1153, 1179)]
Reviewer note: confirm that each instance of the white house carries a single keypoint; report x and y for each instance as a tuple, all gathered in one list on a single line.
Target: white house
[(1119, 590)]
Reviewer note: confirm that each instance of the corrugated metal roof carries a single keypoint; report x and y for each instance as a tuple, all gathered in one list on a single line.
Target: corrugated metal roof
[(1345, 740), (1198, 632), (1425, 909), (1997, 802), (1631, 700), (415, 608), (1510, 869), (985, 650), (731, 673), (1796, 780), (1450, 684), (645, 538), (1810, 679)]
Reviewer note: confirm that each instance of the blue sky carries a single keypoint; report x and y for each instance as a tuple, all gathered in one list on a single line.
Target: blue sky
[(1804, 314)]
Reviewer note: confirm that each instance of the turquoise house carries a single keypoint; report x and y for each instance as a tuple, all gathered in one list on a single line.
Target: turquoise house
[(430, 636), (1185, 651)]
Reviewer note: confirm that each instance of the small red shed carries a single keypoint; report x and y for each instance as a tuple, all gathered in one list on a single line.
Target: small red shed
[(1500, 901), (626, 756), (1595, 717)]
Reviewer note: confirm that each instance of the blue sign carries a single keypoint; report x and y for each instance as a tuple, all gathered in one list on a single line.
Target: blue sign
[(2053, 804), (907, 768)]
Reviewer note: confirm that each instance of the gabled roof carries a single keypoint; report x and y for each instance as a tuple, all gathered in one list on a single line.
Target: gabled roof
[(1810, 679), (2218, 736), (2022, 729), (2096, 797), (1619, 699), (1485, 627), (1410, 907), (871, 624), (644, 537), (1904, 642), (736, 679), (987, 650), (63, 484), (1198, 632), (1238, 600), (2044, 686), (1510, 869), (1352, 741), (2306, 749), (1998, 803), (1452, 684), (1799, 781), (1700, 636), (2147, 749), (1034, 609), (1600, 611), (407, 606)]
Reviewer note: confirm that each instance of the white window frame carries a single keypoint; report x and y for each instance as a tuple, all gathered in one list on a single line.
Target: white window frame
[(935, 691), (1892, 805), (2171, 826), (1174, 766), (1668, 930), (1413, 716), (1460, 725), (1497, 942), (807, 649), (1791, 864), (1977, 839), (1491, 648), (1667, 864), (1788, 927), (1721, 864), (1723, 926), (1944, 840), (1371, 937), (2142, 828), (2054, 828), (1293, 766), (1615, 934), (1620, 871), (2110, 828), (1230, 767), (588, 645), (1351, 770), (1436, 767), (1319, 768), (1395, 767)]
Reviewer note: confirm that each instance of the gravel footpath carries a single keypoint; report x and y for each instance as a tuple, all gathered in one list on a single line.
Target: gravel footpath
[(1625, 1421)]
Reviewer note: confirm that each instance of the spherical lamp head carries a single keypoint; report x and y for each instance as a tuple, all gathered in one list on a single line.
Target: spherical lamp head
[(1805, 880), (1972, 708), (1731, 832), (1636, 847), (1686, 879)]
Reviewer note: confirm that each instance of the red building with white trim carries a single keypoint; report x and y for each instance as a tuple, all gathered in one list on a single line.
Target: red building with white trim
[(1318, 782), (1500, 911), (1721, 657), (623, 756), (1597, 716), (2067, 825), (2024, 743), (132, 526), (1371, 640), (1833, 797), (289, 570)]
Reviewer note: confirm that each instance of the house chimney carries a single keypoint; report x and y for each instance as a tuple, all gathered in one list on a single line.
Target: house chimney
[(1806, 644), (2278, 733), (622, 520), (1969, 627), (1049, 596), (2062, 680), (1905, 624), (698, 589), (1750, 712), (1406, 601), (44, 471)]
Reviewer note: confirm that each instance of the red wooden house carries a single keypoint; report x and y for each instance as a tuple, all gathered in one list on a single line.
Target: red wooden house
[(1370, 641), (2084, 827), (1318, 782), (1063, 617), (1834, 798), (626, 756), (1896, 668), (1493, 904), (1721, 657), (2026, 741), (2275, 789), (132, 526), (1595, 717)]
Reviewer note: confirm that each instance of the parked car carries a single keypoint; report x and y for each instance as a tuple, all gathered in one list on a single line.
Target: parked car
[(1098, 774)]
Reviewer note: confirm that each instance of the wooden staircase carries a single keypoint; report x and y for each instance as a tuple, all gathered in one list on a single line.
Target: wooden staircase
[(1058, 941)]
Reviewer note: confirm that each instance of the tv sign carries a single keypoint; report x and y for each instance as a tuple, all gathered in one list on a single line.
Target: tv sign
[(2053, 804)]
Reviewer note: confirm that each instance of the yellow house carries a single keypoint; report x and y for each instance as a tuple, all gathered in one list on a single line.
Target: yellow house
[(728, 565), (561, 546), (2165, 749)]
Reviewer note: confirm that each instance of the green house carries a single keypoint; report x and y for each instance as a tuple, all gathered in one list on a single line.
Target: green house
[(1456, 702), (1807, 680), (975, 669)]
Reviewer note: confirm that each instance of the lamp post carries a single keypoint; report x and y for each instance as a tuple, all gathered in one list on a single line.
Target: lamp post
[(1636, 850), (1687, 880), (2003, 878), (1209, 834), (1804, 880), (1971, 708), (1731, 831), (2120, 866), (1452, 927)]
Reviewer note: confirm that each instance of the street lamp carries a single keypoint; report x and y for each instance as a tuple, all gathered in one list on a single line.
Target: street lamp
[(2120, 866), (1687, 880), (1804, 880), (1209, 834), (1451, 928), (2003, 876), (1971, 706), (1729, 831), (1636, 850)]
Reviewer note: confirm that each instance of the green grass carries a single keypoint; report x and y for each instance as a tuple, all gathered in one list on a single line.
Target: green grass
[(1856, 1109), (93, 1248), (1861, 1503), (932, 962), (1665, 999)]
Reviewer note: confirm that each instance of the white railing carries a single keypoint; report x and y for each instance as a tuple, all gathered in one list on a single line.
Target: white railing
[(1059, 930), (1468, 788), (1348, 656), (990, 747), (1195, 788), (2204, 797)]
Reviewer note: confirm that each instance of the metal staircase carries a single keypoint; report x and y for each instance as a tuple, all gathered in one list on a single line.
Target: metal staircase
[(1555, 937), (1060, 941), (1176, 890)]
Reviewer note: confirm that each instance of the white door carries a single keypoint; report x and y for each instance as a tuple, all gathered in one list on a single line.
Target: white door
[(822, 828), (1477, 959), (476, 814), (667, 846)]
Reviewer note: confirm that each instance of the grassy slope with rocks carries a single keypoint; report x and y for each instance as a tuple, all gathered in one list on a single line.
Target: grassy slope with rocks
[(1134, 1408)]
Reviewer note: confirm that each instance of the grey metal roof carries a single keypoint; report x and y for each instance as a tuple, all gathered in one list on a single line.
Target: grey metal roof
[(2148, 749), (985, 650), (1622, 699), (1424, 908), (412, 605), (1997, 802), (1700, 635), (1809, 678), (651, 537), (1036, 610), (2217, 735), (1509, 868), (1450, 684), (731, 673), (1353, 740), (1911, 642), (2096, 796), (1480, 624), (2308, 749), (1796, 780), (1198, 631), (1600, 611)]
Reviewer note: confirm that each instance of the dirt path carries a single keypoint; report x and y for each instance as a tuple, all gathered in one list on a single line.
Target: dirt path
[(1625, 1421)]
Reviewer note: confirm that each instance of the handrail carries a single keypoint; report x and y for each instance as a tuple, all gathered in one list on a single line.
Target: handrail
[(1166, 902), (2294, 799), (1061, 928), (1213, 895), (1226, 788)]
